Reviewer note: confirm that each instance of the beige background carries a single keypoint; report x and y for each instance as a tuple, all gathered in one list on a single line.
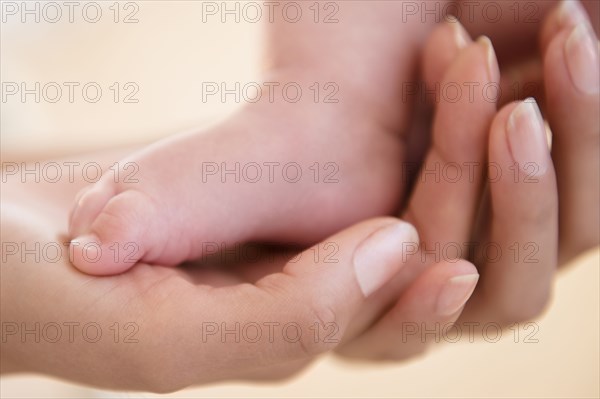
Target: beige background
[(167, 54)]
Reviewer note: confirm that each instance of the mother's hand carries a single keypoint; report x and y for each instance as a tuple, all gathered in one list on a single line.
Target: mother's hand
[(521, 215), (162, 329)]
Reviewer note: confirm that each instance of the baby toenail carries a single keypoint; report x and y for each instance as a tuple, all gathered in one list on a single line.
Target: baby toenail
[(90, 247)]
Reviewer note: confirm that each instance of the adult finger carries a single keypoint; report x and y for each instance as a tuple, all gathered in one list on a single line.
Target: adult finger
[(289, 316), (519, 261), (420, 317)]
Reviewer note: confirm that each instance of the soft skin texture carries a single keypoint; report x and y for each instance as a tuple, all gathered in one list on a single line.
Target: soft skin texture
[(357, 143), (173, 302), (363, 140), (162, 312)]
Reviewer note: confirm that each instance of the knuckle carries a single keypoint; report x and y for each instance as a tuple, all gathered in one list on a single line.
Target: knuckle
[(320, 321)]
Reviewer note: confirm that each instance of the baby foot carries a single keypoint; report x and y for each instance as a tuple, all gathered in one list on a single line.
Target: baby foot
[(278, 172)]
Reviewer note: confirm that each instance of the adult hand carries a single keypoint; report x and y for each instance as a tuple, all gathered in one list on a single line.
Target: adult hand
[(521, 214), (161, 329)]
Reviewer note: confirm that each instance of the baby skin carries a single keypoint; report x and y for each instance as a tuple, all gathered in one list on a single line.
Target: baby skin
[(280, 171)]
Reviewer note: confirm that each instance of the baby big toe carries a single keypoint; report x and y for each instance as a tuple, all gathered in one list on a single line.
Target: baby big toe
[(117, 235)]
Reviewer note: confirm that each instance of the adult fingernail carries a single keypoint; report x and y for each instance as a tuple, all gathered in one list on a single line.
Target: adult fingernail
[(581, 52), (382, 254), (459, 34), (455, 294), (491, 60), (570, 13), (527, 138)]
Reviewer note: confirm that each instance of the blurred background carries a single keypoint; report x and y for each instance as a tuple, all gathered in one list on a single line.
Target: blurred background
[(149, 60)]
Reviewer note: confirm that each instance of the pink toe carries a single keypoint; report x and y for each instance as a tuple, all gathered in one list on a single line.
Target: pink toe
[(88, 207), (91, 256)]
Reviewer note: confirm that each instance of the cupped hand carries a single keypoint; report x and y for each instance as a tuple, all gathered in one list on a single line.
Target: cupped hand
[(489, 191), (261, 315)]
